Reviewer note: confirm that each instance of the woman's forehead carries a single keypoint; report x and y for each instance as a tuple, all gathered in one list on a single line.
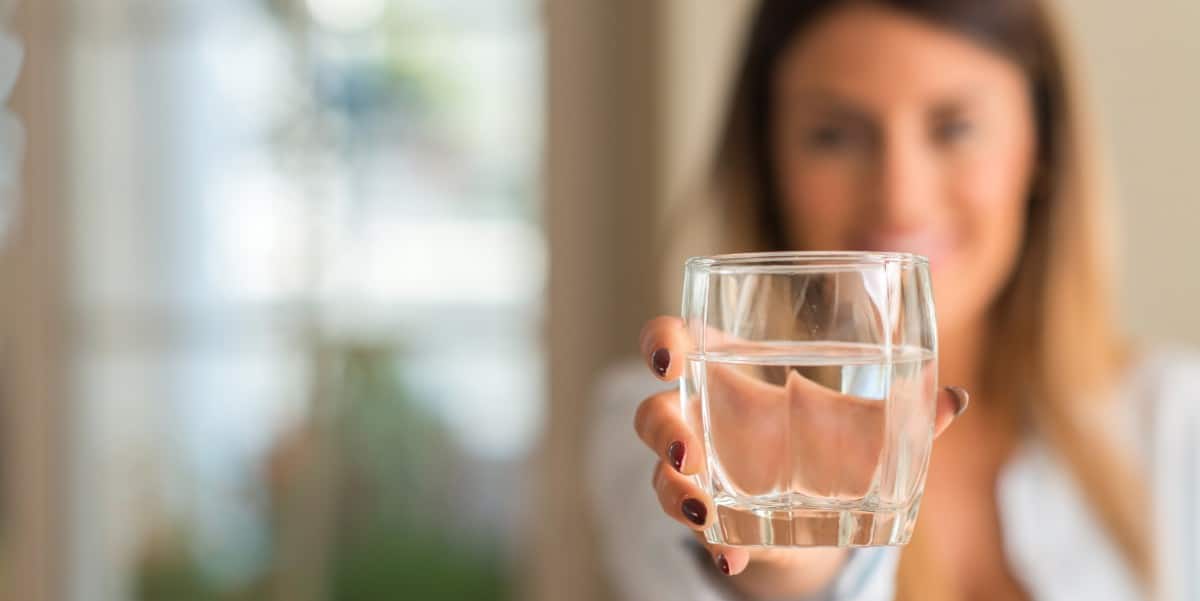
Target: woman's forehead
[(869, 55)]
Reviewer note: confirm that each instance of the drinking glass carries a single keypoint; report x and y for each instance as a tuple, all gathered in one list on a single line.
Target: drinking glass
[(812, 377)]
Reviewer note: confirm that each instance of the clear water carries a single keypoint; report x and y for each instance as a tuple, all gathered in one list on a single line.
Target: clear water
[(802, 434)]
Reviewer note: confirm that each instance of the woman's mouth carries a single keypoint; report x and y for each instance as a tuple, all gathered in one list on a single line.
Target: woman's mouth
[(935, 245)]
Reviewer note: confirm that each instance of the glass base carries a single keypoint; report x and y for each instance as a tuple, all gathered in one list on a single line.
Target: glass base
[(811, 527)]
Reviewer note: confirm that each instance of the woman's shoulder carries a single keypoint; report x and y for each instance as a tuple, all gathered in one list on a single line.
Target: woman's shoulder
[(1164, 379), (615, 455), (1168, 360), (646, 554), (623, 383), (1160, 398), (1165, 386)]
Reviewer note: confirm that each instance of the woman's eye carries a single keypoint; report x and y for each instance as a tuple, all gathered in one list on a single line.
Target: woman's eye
[(951, 130), (828, 137)]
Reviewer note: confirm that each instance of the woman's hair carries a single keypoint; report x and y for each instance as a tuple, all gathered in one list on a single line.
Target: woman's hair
[(1053, 351)]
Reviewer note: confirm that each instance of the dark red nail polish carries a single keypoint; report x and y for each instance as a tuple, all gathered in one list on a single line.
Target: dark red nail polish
[(694, 511), (723, 564), (675, 451), (962, 397), (661, 360)]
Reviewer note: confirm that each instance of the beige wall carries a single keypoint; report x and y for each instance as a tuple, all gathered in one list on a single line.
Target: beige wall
[(1139, 59), (1141, 62), (602, 182), (699, 48)]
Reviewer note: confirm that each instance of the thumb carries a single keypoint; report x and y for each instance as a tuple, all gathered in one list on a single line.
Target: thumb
[(951, 402)]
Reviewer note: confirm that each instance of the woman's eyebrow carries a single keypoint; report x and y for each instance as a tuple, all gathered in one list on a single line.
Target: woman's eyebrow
[(830, 103), (839, 105), (956, 99)]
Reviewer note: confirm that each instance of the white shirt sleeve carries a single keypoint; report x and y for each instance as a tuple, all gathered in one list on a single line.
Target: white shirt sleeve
[(1171, 405), (1047, 518)]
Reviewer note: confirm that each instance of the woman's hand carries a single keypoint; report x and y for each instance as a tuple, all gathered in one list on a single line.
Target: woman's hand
[(759, 437)]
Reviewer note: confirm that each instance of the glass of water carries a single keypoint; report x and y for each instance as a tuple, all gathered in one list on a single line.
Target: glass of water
[(813, 378)]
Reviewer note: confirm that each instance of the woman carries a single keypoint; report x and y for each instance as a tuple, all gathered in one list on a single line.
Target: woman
[(950, 129)]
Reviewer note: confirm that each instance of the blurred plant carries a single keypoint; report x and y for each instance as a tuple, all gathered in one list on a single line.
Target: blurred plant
[(169, 570), (393, 527), (361, 494)]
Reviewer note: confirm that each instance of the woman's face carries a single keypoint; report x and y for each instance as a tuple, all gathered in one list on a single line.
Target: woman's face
[(891, 133)]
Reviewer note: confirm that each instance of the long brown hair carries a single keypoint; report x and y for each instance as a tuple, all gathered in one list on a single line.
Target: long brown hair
[(1055, 351)]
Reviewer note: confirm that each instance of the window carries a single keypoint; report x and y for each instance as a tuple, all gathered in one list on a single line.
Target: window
[(307, 278)]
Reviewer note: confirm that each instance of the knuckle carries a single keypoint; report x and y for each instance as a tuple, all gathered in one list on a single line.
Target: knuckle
[(640, 416), (664, 430), (646, 415), (648, 419)]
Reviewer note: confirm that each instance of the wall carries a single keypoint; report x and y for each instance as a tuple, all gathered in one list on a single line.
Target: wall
[(1140, 60)]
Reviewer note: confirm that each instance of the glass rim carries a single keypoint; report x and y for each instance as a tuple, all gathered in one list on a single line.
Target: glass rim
[(804, 259)]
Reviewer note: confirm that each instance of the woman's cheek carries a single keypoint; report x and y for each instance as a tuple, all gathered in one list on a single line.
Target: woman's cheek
[(995, 194), (990, 203), (993, 183)]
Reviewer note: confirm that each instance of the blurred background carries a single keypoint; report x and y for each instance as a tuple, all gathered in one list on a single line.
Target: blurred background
[(305, 299)]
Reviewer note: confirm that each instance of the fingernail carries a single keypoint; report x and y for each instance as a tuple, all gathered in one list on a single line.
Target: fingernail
[(961, 397), (694, 511), (675, 452), (723, 564), (661, 360)]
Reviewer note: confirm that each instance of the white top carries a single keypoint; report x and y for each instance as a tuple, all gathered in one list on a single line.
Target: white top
[(1055, 545)]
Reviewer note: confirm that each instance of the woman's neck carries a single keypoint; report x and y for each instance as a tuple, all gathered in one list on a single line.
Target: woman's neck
[(962, 353)]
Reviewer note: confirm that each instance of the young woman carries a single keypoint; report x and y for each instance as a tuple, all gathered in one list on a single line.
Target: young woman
[(950, 129)]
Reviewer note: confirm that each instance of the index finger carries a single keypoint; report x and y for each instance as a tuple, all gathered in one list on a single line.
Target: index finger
[(664, 342)]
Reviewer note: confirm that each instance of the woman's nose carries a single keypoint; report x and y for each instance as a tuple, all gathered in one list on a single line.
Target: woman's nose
[(907, 188)]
